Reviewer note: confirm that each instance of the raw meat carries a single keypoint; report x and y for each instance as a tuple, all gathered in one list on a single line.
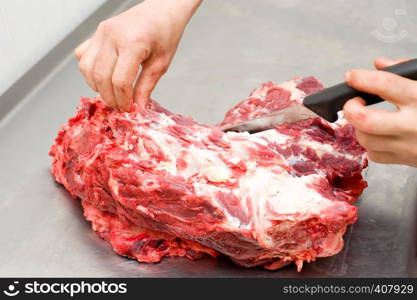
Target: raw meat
[(157, 184)]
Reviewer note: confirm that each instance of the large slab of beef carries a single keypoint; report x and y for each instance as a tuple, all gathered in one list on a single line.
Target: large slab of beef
[(156, 184)]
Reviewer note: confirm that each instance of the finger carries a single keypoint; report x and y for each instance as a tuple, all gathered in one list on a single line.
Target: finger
[(370, 120), (79, 51), (88, 60), (124, 75), (380, 143), (102, 74), (389, 86), (147, 80), (383, 62), (383, 157)]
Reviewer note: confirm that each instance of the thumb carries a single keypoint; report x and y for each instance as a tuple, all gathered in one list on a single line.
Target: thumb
[(383, 62), (79, 51)]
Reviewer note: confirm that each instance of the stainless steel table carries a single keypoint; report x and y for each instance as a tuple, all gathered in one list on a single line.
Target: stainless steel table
[(229, 48)]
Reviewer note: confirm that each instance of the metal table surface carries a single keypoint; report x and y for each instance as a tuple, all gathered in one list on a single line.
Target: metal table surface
[(229, 48)]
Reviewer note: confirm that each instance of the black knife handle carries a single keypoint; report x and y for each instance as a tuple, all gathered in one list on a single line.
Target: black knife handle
[(328, 102)]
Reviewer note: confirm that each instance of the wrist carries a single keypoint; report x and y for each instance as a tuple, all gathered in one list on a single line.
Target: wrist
[(185, 8)]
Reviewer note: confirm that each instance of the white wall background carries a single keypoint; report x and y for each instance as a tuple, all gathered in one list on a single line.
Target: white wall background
[(30, 28)]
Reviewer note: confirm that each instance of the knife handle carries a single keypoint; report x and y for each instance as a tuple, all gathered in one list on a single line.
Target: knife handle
[(328, 102)]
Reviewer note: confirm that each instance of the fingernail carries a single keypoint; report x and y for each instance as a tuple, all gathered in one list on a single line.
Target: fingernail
[(348, 75), (382, 58)]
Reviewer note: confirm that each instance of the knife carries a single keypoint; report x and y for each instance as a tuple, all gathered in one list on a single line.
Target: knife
[(325, 103)]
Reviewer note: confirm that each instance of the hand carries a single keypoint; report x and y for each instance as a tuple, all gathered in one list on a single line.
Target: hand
[(388, 137), (146, 35)]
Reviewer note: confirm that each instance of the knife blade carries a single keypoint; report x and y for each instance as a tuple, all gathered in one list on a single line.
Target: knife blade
[(325, 103), (290, 114)]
